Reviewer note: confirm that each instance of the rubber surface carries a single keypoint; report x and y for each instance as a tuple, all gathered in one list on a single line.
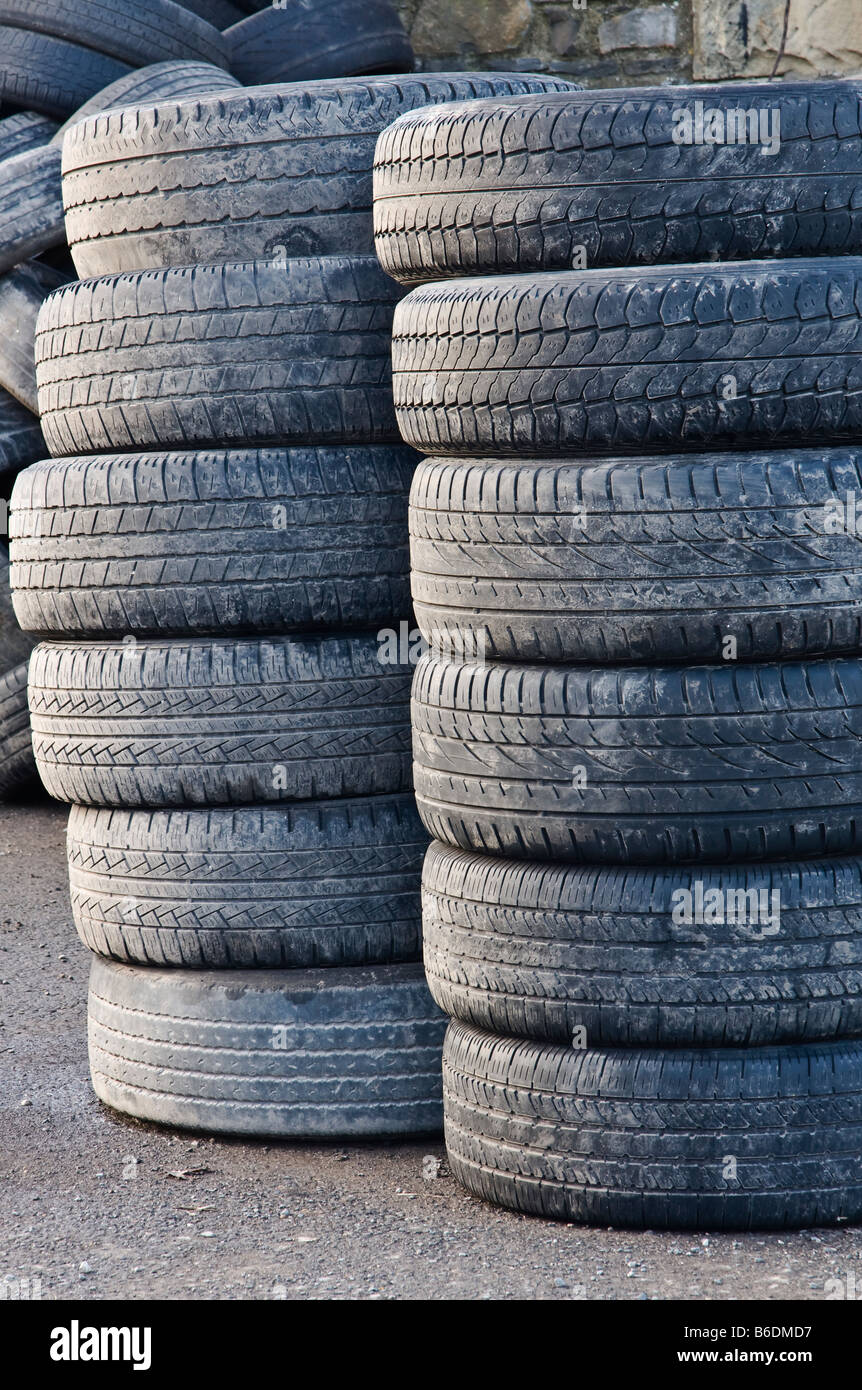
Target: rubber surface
[(219, 722), (265, 174), (629, 957), (15, 645), (643, 766), (752, 353), (124, 29), (50, 75), (310, 39), (23, 290), (178, 78), (17, 767), (25, 130), (631, 560), (247, 353), (620, 178), (21, 439), (270, 540), (294, 1054)]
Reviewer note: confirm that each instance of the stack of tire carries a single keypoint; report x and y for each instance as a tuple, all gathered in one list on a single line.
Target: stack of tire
[(61, 61), (643, 906), (210, 554)]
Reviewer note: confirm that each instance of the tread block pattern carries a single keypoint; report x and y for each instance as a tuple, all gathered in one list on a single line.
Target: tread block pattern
[(293, 1054), (17, 767), (123, 29), (49, 75)]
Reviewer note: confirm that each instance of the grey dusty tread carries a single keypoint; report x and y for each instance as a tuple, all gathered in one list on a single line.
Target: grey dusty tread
[(124, 29), (545, 181), (639, 560), (269, 540), (275, 172), (17, 767), (287, 1053), (21, 439), (643, 1138), (15, 645), (214, 722), (613, 956), (49, 75), (641, 765), (177, 78), (310, 39), (250, 353), (626, 361), (314, 883)]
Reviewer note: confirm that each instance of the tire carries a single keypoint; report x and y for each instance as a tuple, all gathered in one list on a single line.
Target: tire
[(643, 1138), (627, 957), (305, 1054), (232, 541), (17, 768), (245, 353), (158, 81), (15, 645), (249, 175), (219, 722), (633, 360), (26, 130), (313, 884), (221, 13), (21, 439), (313, 39), (651, 766), (49, 75), (596, 179), (22, 293), (122, 29), (640, 560)]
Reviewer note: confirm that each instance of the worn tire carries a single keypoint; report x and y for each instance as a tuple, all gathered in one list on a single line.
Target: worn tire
[(15, 645), (219, 722), (25, 130), (23, 291), (17, 767), (642, 1138), (221, 13), (173, 80), (641, 560), (619, 957), (288, 1053), (21, 439), (633, 360), (283, 171), (596, 179), (49, 75), (319, 38), (247, 353), (653, 765), (270, 540), (316, 883), (122, 29)]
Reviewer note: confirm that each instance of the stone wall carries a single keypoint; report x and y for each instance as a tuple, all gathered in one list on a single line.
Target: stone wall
[(603, 43)]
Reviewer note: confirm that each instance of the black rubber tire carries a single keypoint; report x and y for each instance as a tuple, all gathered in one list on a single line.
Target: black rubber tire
[(613, 958), (644, 766), (21, 439), (123, 29), (49, 75), (633, 360), (176, 79), (283, 171), (221, 13), (298, 1054), (219, 722), (641, 559), (595, 179), (316, 883), (17, 766), (208, 543), (644, 1138), (310, 39), (23, 290), (253, 353), (26, 130), (15, 645)]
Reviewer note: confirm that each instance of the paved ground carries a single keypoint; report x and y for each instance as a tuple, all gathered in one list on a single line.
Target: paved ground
[(99, 1207)]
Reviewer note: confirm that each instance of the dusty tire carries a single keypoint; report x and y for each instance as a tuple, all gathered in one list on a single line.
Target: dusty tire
[(621, 957), (289, 1053), (760, 353), (247, 353), (269, 540), (122, 29), (49, 75), (23, 291), (26, 130), (21, 439), (645, 766), (17, 768), (277, 172), (596, 179), (313, 39), (642, 1138), (175, 79), (212, 723), (311, 884), (640, 560)]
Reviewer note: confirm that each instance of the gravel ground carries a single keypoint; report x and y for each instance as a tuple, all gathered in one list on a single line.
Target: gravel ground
[(98, 1207)]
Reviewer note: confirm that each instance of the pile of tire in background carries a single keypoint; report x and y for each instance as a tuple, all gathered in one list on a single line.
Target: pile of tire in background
[(643, 906), (210, 554)]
